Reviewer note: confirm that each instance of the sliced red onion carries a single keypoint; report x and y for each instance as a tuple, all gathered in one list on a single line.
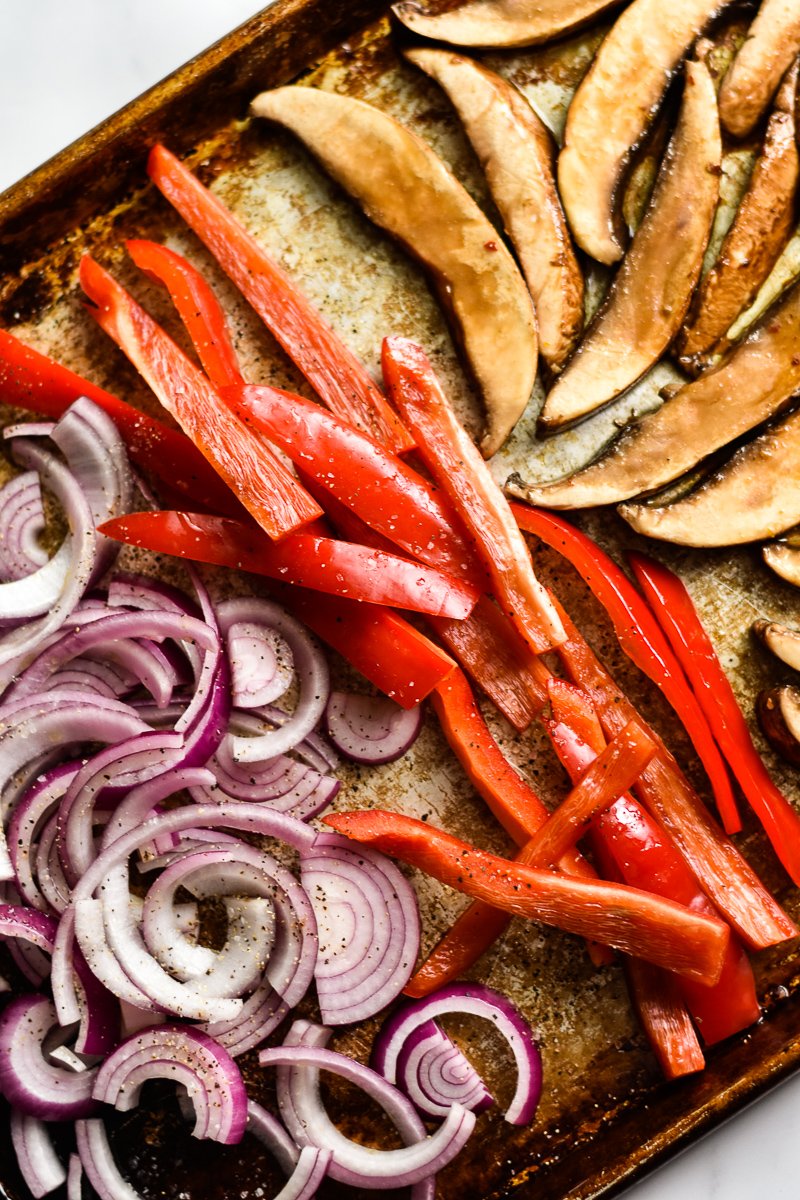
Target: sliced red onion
[(21, 524), (30, 814), (434, 1074), (306, 1169), (141, 591), (262, 665), (368, 925), (300, 1061), (480, 1001), (98, 1162), (285, 784), (311, 675), (371, 729), (38, 1163), (88, 675), (49, 871), (189, 1057), (27, 1080), (74, 1178)]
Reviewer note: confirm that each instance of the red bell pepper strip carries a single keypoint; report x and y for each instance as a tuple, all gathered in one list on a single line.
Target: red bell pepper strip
[(627, 840), (197, 305), (322, 564), (635, 922), (641, 638), (379, 487), (677, 615), (456, 465), (399, 660), (33, 381), (553, 842), (722, 872), (263, 484), (331, 368)]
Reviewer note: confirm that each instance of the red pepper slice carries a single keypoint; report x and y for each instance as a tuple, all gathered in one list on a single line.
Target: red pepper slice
[(332, 370), (639, 853), (388, 651), (630, 920), (270, 494), (456, 465), (320, 563), (640, 637), (724, 875), (379, 487), (553, 842), (678, 617), (197, 305), (38, 384)]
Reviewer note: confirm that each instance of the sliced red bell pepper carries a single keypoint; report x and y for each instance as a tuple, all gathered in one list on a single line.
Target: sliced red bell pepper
[(630, 920), (351, 466), (640, 637), (308, 560), (38, 384), (330, 367), (722, 872), (263, 484), (553, 842), (197, 305), (399, 660), (457, 467), (627, 840), (677, 615)]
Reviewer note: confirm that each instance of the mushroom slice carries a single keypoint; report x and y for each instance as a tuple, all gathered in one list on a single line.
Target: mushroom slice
[(772, 42), (612, 108), (784, 560), (761, 228), (516, 152), (653, 287), (783, 642), (502, 22), (405, 188), (755, 495), (754, 383), (778, 712)]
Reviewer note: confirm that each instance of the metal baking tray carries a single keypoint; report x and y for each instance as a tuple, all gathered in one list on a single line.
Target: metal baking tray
[(606, 1117)]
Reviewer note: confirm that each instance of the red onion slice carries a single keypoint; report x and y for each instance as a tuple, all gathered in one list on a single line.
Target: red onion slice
[(262, 663), (21, 525), (371, 729), (187, 1056), (368, 925), (27, 1080), (300, 1061), (306, 1168), (480, 1001), (434, 1074), (74, 1178), (38, 1163), (38, 803), (98, 1162)]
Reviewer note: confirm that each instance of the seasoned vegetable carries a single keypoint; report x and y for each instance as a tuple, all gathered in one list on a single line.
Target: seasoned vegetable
[(772, 42), (502, 22)]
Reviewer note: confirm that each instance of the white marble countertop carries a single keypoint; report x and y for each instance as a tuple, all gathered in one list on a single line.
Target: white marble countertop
[(65, 67)]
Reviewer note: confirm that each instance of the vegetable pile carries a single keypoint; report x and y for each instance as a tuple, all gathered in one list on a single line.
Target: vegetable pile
[(174, 882)]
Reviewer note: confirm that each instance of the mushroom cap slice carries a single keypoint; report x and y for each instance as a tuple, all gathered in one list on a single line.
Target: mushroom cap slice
[(761, 228), (502, 23), (405, 188), (778, 712), (516, 152), (755, 495), (612, 108), (653, 287), (783, 642), (754, 383), (772, 42), (784, 560)]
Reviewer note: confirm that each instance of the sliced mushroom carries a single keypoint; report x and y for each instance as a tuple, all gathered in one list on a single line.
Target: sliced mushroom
[(653, 287), (754, 383), (781, 641), (516, 152), (772, 42), (755, 495), (784, 560), (778, 712), (502, 22), (761, 228), (407, 190), (612, 108)]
